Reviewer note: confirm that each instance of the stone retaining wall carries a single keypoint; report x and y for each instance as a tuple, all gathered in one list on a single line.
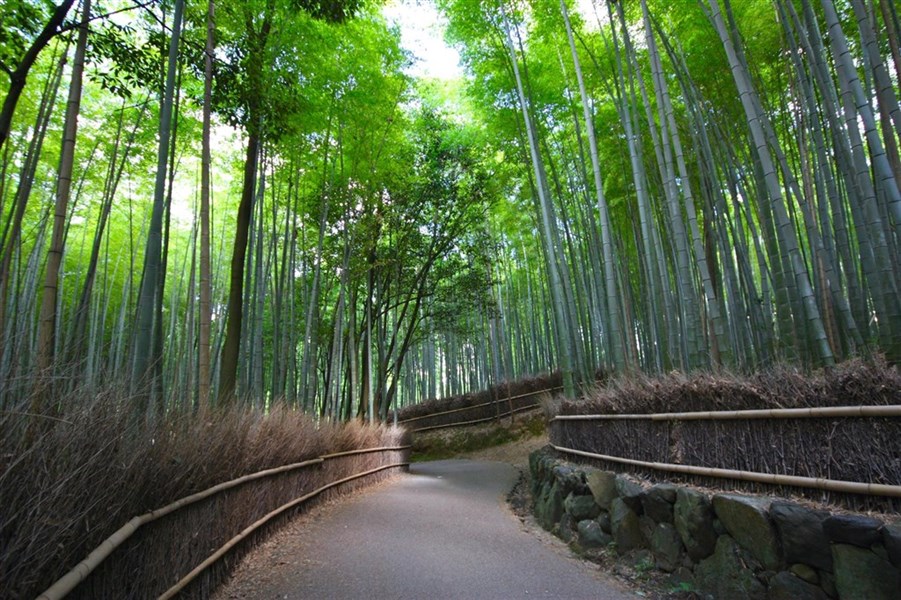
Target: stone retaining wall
[(722, 545)]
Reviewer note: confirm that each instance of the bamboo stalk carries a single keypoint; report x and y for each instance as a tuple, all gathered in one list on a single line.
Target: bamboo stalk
[(184, 581), (465, 408), (364, 451), (766, 413), (475, 421), (67, 582), (850, 487)]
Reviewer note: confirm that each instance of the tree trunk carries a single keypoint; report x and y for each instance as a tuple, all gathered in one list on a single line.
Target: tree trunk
[(142, 369)]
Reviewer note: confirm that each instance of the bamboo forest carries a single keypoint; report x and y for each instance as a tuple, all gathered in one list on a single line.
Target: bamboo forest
[(254, 202)]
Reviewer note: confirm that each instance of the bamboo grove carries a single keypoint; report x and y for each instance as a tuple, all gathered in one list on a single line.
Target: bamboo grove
[(219, 202), (714, 184)]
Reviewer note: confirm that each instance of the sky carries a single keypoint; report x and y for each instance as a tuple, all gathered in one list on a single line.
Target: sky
[(422, 33)]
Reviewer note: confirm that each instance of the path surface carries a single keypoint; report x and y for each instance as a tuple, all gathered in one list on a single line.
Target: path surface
[(443, 531)]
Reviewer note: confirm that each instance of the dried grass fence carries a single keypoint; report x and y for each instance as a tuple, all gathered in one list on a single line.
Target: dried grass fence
[(496, 402), (68, 482), (310, 477), (767, 436)]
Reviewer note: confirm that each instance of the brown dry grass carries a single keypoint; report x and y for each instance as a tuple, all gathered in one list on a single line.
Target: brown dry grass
[(66, 483), (499, 393), (849, 449), (851, 383)]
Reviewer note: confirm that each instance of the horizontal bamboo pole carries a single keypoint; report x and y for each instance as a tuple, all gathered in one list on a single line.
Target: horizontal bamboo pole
[(465, 408), (184, 581), (767, 413), (476, 421), (67, 582), (832, 485), (364, 451)]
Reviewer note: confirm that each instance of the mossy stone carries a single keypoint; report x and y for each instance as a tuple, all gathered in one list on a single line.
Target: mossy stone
[(667, 547), (785, 586), (746, 519), (625, 526), (862, 575), (693, 518), (581, 507), (602, 485), (724, 574)]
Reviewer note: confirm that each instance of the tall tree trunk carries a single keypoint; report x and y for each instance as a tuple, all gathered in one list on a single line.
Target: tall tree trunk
[(228, 367), (614, 316), (47, 327), (204, 377), (773, 190), (10, 241), (142, 369), (564, 347)]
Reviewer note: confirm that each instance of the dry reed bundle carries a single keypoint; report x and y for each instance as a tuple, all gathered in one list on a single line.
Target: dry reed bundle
[(66, 485), (862, 450), (485, 404)]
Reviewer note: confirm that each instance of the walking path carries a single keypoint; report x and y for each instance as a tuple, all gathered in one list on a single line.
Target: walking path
[(443, 531)]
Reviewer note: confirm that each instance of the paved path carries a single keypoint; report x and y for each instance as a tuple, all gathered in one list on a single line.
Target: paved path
[(443, 531)]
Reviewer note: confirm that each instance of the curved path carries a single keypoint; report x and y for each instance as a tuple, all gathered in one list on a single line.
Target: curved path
[(443, 531)]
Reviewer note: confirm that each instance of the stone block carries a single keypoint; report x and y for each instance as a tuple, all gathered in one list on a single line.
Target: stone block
[(801, 533), (591, 535), (667, 547), (658, 501), (857, 530), (581, 507), (570, 480), (625, 526), (785, 586), (861, 575), (725, 574), (891, 539), (746, 519), (693, 518), (602, 485), (630, 492)]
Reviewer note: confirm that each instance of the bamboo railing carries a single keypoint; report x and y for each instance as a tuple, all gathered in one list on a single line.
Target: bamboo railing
[(832, 485), (476, 421), (818, 483), (475, 406), (770, 413), (480, 405), (80, 572)]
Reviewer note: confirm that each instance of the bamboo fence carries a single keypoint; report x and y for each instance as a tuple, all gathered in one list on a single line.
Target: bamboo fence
[(848, 487), (80, 572), (728, 415), (481, 405), (858, 443)]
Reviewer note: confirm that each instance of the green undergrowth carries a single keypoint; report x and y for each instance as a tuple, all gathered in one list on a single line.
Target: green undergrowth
[(452, 442)]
